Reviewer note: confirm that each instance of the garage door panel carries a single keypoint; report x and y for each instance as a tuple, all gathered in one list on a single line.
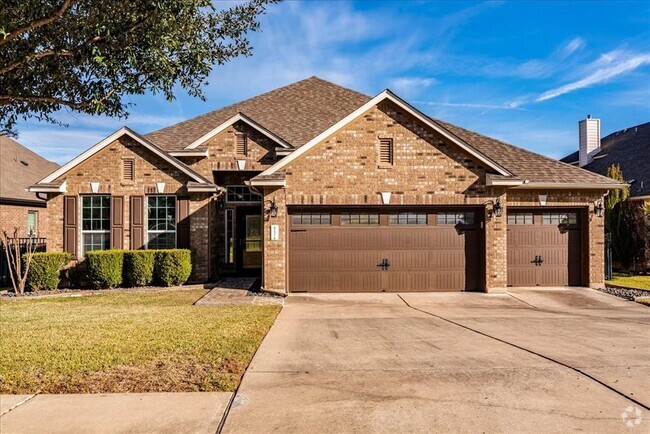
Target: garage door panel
[(557, 245), (422, 257)]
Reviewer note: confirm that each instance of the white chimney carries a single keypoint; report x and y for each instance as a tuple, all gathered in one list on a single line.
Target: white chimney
[(589, 132)]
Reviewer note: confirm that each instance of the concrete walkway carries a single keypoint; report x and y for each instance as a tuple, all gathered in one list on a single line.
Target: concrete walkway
[(529, 361), (113, 413)]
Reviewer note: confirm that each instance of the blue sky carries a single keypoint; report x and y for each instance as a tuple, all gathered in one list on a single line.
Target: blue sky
[(523, 72)]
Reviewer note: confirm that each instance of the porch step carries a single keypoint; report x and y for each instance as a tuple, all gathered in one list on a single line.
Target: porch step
[(237, 290), (245, 283)]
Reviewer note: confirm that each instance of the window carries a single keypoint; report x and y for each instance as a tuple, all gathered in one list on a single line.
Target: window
[(241, 144), (362, 218), (408, 218), (312, 218), (240, 193), (128, 169), (32, 222), (161, 222), (455, 218), (386, 151), (557, 218), (520, 218), (230, 237), (95, 223)]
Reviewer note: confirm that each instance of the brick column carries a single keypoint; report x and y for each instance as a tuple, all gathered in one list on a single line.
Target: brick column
[(274, 277), (496, 248), (199, 235)]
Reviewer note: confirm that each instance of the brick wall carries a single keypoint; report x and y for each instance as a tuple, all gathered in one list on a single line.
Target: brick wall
[(15, 216), (105, 167)]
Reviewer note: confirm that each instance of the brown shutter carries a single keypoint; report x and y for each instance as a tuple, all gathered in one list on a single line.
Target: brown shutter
[(183, 222), (386, 151), (117, 222), (137, 222), (70, 223)]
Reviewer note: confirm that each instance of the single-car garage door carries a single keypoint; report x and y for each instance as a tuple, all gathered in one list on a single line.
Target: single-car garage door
[(544, 247), (384, 249)]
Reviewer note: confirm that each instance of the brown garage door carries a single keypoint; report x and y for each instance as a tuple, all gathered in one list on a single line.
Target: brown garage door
[(544, 248), (384, 249)]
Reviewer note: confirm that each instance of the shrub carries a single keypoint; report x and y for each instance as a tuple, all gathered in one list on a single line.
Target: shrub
[(45, 270), (138, 267), (173, 267), (105, 268)]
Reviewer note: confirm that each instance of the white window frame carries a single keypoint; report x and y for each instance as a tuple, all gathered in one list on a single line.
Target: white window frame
[(165, 231), (242, 202), (93, 231), (34, 232)]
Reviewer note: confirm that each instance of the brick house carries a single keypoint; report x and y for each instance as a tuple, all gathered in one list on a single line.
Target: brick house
[(19, 208), (315, 187)]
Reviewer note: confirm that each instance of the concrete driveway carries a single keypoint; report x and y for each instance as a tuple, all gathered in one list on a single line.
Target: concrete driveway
[(552, 360)]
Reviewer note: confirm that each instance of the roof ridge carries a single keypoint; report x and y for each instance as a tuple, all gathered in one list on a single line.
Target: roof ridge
[(253, 98), (625, 130)]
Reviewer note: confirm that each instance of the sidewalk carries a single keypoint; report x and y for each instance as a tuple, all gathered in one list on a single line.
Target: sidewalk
[(197, 412)]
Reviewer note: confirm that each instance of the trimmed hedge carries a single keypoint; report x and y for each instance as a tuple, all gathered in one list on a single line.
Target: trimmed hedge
[(45, 270), (105, 268), (139, 267), (173, 267)]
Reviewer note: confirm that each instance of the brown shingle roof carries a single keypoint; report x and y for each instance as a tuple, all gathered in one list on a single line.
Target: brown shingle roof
[(20, 168), (302, 110), (296, 113)]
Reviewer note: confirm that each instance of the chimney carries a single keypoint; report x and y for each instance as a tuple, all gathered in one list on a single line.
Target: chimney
[(589, 133)]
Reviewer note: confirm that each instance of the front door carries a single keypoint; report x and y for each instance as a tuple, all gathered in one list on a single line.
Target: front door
[(249, 240)]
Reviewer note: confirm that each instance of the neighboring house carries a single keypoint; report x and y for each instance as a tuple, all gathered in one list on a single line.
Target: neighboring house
[(629, 148), (20, 168), (316, 187)]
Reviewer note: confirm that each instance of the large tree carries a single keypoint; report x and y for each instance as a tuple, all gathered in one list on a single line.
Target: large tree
[(86, 55)]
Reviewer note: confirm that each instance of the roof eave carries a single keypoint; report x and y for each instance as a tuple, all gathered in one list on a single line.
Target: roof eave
[(62, 188), (569, 186)]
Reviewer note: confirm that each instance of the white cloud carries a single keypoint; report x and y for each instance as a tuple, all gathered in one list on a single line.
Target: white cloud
[(59, 144), (509, 106), (608, 66), (407, 86)]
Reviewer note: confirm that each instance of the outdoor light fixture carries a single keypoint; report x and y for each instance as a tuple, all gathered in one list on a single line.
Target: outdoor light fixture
[(273, 208), (496, 208), (598, 208)]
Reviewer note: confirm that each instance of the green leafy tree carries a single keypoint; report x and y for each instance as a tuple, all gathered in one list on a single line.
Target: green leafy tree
[(627, 223), (86, 55)]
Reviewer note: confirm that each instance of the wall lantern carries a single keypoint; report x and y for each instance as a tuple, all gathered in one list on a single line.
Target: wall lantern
[(497, 209), (598, 208), (273, 208)]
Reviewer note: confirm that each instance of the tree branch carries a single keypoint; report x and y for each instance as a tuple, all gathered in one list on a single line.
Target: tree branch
[(39, 22)]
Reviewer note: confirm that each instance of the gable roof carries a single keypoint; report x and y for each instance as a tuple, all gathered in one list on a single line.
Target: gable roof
[(237, 118), (385, 95), (629, 148), (48, 180), (295, 113), (20, 168)]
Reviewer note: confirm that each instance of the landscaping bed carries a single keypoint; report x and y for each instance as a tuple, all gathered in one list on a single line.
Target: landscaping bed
[(127, 341), (628, 286)]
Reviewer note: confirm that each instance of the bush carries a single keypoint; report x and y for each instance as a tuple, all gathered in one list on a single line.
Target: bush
[(173, 267), (45, 270), (138, 267), (105, 268)]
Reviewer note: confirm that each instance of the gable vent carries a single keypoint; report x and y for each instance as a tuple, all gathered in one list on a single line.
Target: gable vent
[(128, 170), (386, 151), (241, 144)]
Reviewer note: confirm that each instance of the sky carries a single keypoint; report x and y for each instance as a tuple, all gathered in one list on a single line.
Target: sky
[(522, 72)]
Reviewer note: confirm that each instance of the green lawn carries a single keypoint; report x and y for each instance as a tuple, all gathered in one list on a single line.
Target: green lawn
[(127, 342), (631, 281)]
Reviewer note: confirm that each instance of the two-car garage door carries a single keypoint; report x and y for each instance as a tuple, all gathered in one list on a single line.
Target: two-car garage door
[(385, 249)]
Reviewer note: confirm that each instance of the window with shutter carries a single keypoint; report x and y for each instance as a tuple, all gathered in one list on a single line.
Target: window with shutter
[(386, 151), (128, 170), (242, 144)]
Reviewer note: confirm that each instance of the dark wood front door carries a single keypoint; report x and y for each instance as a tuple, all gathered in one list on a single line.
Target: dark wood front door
[(248, 243), (544, 248), (386, 249)]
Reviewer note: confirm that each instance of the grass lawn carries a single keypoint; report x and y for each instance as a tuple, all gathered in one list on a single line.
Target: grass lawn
[(631, 281), (127, 342)]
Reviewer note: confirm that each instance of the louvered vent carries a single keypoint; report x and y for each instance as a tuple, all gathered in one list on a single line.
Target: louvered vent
[(128, 170), (242, 144), (386, 151)]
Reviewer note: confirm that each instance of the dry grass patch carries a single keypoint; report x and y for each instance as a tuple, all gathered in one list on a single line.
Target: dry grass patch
[(127, 342)]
